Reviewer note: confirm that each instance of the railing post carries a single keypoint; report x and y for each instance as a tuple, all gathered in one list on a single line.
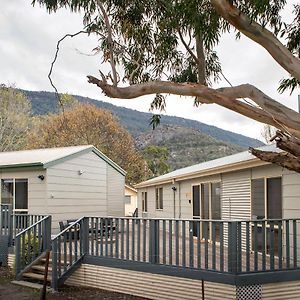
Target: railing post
[(54, 282), (18, 255), (154, 241), (47, 234), (233, 246), (10, 225), (85, 235)]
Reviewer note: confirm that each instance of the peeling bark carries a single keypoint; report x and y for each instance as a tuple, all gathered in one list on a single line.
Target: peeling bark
[(285, 160)]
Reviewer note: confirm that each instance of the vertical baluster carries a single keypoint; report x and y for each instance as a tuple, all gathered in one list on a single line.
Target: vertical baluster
[(255, 247), (127, 238), (164, 254), (35, 254), (287, 241), (122, 238), (191, 244), (117, 238), (58, 241), (101, 235), (144, 239), (28, 246), (272, 246), (295, 243), (263, 228), (111, 228), (65, 251), (97, 236), (170, 242), (205, 223), (183, 244), (177, 242), (213, 236), (23, 235), (70, 246), (157, 239), (106, 236), (199, 259), (133, 240), (247, 246), (222, 246), (75, 242), (39, 238), (92, 233), (138, 239), (280, 224)]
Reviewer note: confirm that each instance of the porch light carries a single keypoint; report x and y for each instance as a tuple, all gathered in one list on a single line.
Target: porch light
[(42, 177)]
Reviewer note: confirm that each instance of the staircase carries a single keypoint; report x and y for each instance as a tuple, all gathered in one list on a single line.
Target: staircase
[(34, 277)]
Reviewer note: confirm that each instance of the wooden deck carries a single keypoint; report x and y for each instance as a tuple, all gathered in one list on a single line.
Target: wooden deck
[(133, 242)]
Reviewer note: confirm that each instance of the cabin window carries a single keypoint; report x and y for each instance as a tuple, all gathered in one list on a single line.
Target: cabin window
[(159, 198), (144, 202), (266, 198), (15, 192), (127, 199)]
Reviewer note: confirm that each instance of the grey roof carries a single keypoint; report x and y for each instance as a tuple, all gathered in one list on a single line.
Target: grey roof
[(208, 165), (48, 156)]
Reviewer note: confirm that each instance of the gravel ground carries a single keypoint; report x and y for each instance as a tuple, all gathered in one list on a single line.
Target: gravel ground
[(10, 291)]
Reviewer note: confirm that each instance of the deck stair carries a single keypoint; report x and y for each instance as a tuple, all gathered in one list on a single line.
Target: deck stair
[(36, 273)]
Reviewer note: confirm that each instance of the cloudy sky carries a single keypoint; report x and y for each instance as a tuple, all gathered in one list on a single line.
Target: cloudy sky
[(28, 37)]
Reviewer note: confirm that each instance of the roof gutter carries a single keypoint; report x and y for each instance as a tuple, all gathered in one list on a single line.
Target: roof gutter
[(216, 170), (24, 165)]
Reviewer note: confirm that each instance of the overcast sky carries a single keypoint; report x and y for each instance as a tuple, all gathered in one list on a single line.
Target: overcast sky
[(28, 37)]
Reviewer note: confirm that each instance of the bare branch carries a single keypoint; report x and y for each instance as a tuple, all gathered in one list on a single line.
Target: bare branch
[(260, 35), (110, 43), (55, 58), (186, 46), (226, 97)]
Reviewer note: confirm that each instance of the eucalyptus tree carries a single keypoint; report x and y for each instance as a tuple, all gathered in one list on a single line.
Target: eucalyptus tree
[(15, 112), (161, 47)]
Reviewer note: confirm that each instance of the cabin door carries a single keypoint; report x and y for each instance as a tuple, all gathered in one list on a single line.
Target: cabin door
[(207, 206)]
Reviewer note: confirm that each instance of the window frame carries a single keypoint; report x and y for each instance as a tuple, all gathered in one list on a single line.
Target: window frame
[(159, 198), (14, 193), (265, 178), (144, 202)]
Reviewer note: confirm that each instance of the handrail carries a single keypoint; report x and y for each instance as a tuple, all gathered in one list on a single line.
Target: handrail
[(68, 249), (28, 251), (31, 226), (67, 228)]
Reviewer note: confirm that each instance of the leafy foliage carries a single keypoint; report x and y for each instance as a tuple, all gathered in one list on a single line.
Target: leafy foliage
[(157, 159), (87, 124), (15, 110)]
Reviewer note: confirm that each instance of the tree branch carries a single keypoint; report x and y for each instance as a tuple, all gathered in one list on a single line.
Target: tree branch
[(226, 97), (110, 43), (260, 35), (285, 160)]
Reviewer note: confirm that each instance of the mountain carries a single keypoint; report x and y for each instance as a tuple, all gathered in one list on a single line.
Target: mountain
[(186, 145), (138, 122)]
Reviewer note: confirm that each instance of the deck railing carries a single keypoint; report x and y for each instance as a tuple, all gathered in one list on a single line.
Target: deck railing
[(68, 249), (31, 243), (212, 246), (12, 223), (223, 246)]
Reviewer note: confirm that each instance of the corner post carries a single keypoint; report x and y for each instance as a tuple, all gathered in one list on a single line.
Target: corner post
[(233, 247)]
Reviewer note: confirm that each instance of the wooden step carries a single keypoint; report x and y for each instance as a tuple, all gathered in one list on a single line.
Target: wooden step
[(36, 276), (41, 268), (32, 285)]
